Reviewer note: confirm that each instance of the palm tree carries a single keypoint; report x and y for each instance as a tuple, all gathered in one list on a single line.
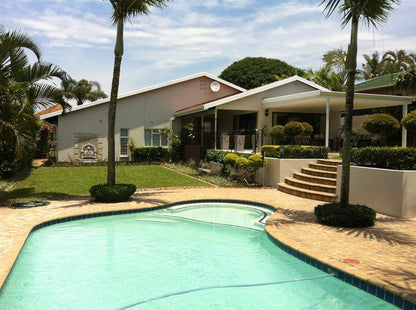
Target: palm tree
[(407, 81), (82, 90), (327, 78), (337, 57), (371, 12), (397, 61), (122, 11), (373, 66)]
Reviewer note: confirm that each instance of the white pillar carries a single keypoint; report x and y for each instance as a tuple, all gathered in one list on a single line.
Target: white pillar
[(328, 110), (404, 131), (216, 128)]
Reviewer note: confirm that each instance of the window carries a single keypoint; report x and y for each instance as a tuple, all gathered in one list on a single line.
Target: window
[(152, 137), (124, 140)]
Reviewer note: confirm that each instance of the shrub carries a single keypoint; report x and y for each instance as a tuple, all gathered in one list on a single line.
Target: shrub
[(215, 155), (397, 158), (255, 162), (242, 162), (381, 124), (307, 129), (231, 159), (112, 193), (271, 150), (176, 149), (409, 121), (149, 154), (293, 129), (333, 214), (277, 133)]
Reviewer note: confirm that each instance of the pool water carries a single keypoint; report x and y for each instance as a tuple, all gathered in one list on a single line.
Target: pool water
[(202, 257)]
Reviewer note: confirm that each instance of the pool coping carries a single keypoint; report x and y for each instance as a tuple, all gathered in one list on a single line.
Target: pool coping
[(367, 285)]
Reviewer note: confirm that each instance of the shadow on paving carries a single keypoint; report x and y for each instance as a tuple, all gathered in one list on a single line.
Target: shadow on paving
[(377, 232)]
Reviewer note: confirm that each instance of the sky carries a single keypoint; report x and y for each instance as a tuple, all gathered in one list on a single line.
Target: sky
[(190, 36)]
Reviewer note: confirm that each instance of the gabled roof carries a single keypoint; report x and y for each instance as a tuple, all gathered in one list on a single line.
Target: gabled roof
[(248, 93), (146, 89), (55, 108), (380, 81)]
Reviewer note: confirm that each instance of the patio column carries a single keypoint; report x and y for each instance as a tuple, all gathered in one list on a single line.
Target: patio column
[(202, 130), (404, 131), (215, 128), (328, 110)]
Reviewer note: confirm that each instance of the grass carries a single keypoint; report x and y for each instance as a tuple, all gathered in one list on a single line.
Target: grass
[(66, 182)]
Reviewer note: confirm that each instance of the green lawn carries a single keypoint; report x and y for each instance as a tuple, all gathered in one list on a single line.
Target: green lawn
[(60, 182)]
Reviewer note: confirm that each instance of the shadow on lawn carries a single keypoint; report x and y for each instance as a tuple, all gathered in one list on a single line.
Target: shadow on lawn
[(28, 193)]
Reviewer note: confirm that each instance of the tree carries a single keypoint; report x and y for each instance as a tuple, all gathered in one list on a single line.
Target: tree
[(371, 12), (373, 66), (407, 81), (252, 72), (82, 90), (381, 124), (122, 10), (328, 78), (397, 61), (277, 133), (336, 58), (409, 122), (23, 88)]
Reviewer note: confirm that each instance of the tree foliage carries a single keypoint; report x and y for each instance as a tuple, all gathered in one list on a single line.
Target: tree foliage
[(82, 90), (252, 72)]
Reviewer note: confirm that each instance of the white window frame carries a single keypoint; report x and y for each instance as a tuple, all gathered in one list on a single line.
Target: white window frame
[(154, 131), (121, 143)]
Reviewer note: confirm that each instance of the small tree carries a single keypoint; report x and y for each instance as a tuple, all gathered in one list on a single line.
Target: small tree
[(381, 124), (293, 129), (307, 129), (409, 122), (277, 133)]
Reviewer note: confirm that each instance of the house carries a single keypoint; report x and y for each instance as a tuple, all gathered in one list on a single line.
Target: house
[(205, 110)]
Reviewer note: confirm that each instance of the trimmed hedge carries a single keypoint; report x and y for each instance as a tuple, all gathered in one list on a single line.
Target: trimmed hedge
[(295, 151), (333, 214), (397, 158), (149, 154), (112, 193)]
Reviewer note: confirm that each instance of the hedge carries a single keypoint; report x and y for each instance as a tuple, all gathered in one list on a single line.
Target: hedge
[(218, 155), (150, 154), (333, 214), (397, 158), (295, 151), (112, 193)]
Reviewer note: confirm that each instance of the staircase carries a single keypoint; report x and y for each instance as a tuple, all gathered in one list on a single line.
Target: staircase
[(318, 181)]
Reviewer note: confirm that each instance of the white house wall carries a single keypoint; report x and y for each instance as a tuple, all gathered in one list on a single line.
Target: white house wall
[(288, 89), (148, 110)]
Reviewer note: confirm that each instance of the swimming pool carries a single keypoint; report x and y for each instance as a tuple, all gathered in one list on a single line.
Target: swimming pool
[(199, 256)]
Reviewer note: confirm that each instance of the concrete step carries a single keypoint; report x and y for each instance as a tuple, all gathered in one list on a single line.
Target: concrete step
[(314, 179), (311, 186), (323, 167), (330, 162), (319, 173), (306, 193)]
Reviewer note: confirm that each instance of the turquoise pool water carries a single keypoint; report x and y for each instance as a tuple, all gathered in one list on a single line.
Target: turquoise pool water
[(122, 261)]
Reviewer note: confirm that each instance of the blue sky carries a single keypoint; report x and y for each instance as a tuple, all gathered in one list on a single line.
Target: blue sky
[(190, 36)]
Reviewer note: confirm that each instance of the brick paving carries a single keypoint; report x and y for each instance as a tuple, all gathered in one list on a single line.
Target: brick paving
[(385, 253)]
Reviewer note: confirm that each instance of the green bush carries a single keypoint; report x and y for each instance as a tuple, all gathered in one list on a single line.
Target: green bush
[(176, 149), (293, 129), (295, 151), (333, 214), (255, 162), (150, 154), (242, 162), (215, 155), (381, 124), (231, 159), (397, 158), (277, 133), (409, 121), (112, 193), (307, 129)]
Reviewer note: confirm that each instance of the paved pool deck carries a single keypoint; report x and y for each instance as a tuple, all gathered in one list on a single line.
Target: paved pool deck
[(386, 252)]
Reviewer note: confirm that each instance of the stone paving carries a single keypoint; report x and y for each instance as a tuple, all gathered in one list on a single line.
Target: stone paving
[(384, 254)]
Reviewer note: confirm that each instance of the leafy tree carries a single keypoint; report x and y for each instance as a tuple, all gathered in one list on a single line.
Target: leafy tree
[(336, 58), (252, 72), (381, 124), (122, 11), (409, 122), (293, 129), (373, 66), (371, 12), (82, 90), (407, 81), (397, 61), (307, 129), (277, 133)]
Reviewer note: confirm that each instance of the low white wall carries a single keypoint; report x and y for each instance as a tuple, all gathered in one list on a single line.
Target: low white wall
[(277, 169), (390, 192)]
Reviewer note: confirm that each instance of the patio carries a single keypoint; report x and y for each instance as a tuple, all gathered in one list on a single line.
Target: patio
[(386, 252)]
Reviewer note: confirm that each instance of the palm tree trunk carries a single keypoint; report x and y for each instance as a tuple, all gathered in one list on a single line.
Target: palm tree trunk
[(349, 108), (118, 54)]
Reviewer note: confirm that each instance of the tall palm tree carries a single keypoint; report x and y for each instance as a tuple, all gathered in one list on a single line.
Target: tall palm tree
[(373, 66), (371, 12), (397, 61), (122, 10), (82, 90)]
